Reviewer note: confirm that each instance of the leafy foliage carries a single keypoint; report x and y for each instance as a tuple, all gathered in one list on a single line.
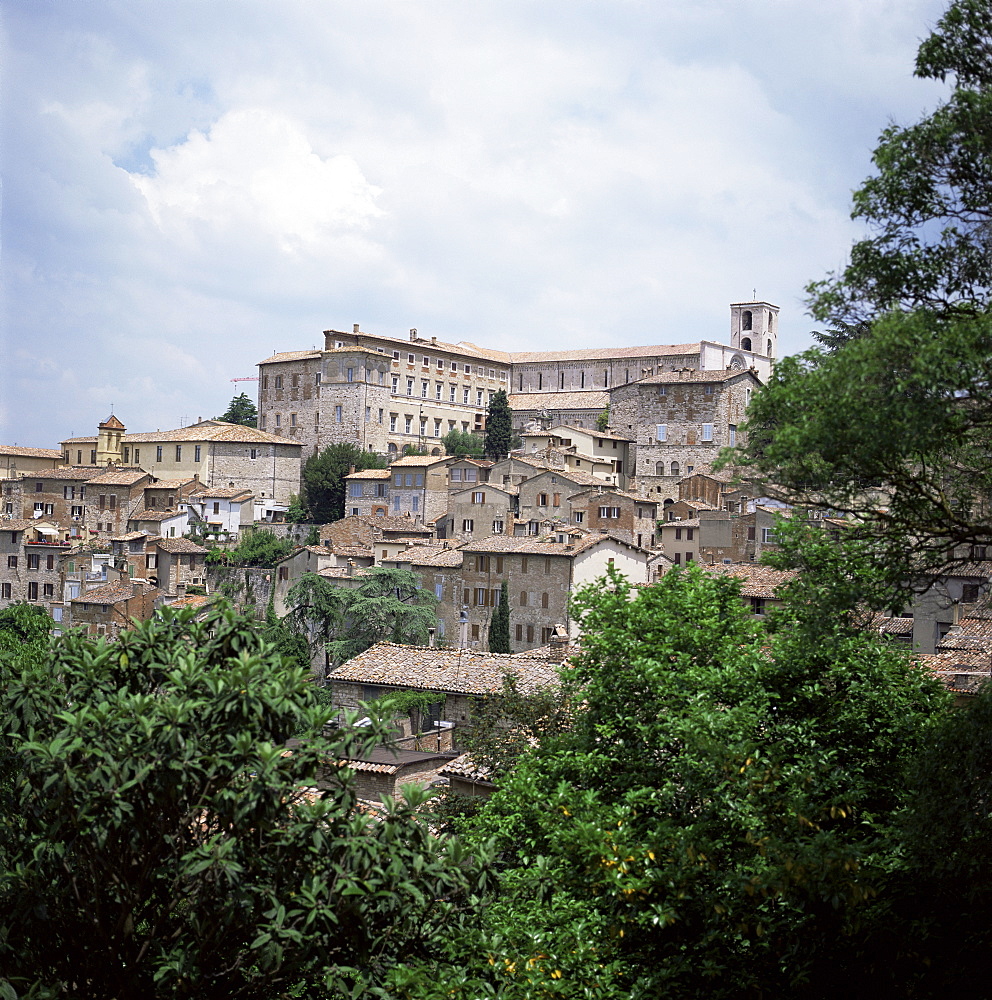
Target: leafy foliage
[(464, 444), (499, 426), (257, 547), (241, 411), (161, 845), (720, 815), (893, 430), (929, 202), (499, 626), (386, 605), (603, 420), (322, 493), (295, 511)]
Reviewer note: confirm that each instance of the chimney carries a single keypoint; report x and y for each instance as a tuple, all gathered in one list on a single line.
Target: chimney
[(355, 328), (433, 341), (351, 567), (413, 333), (180, 590), (558, 645), (430, 637)]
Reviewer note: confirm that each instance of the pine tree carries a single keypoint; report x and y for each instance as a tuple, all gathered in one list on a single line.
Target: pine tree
[(499, 427), (241, 411), (499, 627)]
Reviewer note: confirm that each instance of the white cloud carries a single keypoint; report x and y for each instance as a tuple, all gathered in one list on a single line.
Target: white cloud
[(255, 171)]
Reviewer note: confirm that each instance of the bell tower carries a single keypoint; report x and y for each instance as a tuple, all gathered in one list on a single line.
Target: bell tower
[(108, 441), (754, 328)]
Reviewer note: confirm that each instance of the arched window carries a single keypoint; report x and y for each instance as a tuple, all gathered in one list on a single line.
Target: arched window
[(392, 448), (435, 451), (746, 319), (544, 600), (771, 318), (675, 468), (659, 469), (746, 344), (769, 352)]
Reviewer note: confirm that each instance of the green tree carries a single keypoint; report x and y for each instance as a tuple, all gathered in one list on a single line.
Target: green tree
[(322, 492), (928, 204), (165, 845), (386, 605), (241, 411), (464, 444), (499, 626), (603, 420), (295, 511), (720, 816), (499, 427), (257, 547)]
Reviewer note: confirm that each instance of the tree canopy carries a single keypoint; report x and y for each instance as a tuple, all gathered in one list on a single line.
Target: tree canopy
[(463, 444), (322, 492), (162, 843), (499, 427), (929, 204), (386, 605), (241, 411)]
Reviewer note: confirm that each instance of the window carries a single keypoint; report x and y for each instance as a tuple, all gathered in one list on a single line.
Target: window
[(478, 397), (465, 393), (11, 562), (392, 421), (768, 536), (523, 598), (520, 633), (688, 557), (424, 386), (688, 534), (112, 501), (5, 592), (478, 498), (48, 590), (452, 389), (68, 492), (675, 468), (408, 424), (33, 591), (707, 390), (523, 564), (253, 453), (316, 378), (355, 489), (77, 511), (179, 452), (49, 562), (158, 453), (196, 453), (609, 512), (661, 432), (415, 503), (544, 599), (93, 457), (278, 382), (578, 516), (707, 432), (468, 524), (33, 560), (497, 527), (530, 633), (338, 414), (396, 504), (542, 499)]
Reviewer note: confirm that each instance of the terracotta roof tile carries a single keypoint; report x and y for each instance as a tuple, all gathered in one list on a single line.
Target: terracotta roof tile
[(290, 356), (588, 399), (118, 477), (369, 474), (18, 452), (111, 593), (756, 581), (458, 671), (182, 545), (211, 430)]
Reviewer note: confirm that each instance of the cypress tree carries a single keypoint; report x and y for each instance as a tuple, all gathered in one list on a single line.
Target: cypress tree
[(499, 427), (499, 627)]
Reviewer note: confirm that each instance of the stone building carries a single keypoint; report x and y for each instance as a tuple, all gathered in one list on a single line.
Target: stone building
[(627, 516), (481, 510), (16, 461), (112, 609), (367, 493), (681, 420), (386, 394), (542, 574), (31, 552), (419, 486), (546, 494)]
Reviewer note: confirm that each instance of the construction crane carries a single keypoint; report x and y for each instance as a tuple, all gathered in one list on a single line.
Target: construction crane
[(247, 378)]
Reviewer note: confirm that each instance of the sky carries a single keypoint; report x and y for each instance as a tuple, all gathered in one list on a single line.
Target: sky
[(189, 186)]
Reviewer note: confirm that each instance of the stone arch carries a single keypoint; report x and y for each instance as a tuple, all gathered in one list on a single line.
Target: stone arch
[(659, 468), (746, 320), (745, 343), (737, 362), (435, 451), (675, 469), (392, 448), (769, 347)]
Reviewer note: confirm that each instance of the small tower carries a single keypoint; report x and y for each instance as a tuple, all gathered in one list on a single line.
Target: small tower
[(108, 441), (754, 328)]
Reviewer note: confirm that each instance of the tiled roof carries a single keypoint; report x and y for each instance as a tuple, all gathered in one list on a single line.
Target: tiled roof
[(577, 476), (79, 440), (529, 545), (23, 523), (695, 375), (369, 474), (353, 551), (112, 424), (290, 356), (397, 522), (212, 430), (19, 452), (222, 493), (191, 601), (420, 345), (156, 515), (418, 461), (594, 353), (889, 625), (76, 473), (507, 488), (756, 581), (180, 545), (590, 432), (692, 522), (723, 475), (170, 484), (465, 767), (587, 399), (131, 536), (458, 671), (111, 593), (443, 558), (118, 477)]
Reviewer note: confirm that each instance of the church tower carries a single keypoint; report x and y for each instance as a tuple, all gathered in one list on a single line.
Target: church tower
[(754, 328), (108, 441)]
